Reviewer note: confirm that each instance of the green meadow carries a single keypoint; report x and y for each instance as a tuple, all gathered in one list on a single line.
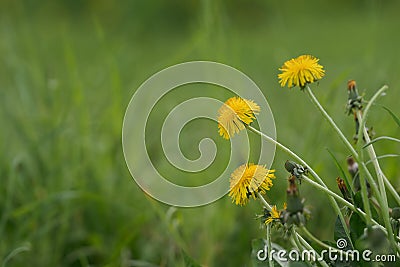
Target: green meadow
[(68, 70)]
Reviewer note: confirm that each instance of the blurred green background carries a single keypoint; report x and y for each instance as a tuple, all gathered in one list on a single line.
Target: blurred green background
[(68, 70)]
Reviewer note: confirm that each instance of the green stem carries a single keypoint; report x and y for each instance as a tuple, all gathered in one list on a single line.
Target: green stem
[(330, 121), (264, 202), (342, 137), (348, 145), (329, 192), (380, 198), (295, 239), (300, 239), (340, 199), (371, 151), (312, 172), (296, 236), (383, 198), (320, 243), (269, 246), (361, 175)]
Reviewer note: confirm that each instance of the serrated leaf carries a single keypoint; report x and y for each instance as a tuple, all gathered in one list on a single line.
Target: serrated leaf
[(339, 231)]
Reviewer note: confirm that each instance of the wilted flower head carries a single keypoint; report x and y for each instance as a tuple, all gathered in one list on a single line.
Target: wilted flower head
[(235, 114), (343, 189), (272, 215), (300, 71), (247, 180)]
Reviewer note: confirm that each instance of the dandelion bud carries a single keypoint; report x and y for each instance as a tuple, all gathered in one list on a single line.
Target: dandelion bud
[(343, 189), (354, 101)]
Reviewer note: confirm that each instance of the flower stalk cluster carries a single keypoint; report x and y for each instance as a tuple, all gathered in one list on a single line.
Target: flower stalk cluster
[(253, 181)]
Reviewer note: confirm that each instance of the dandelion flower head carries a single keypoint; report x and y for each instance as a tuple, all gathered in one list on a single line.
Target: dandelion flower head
[(274, 214), (235, 114), (300, 71), (247, 180)]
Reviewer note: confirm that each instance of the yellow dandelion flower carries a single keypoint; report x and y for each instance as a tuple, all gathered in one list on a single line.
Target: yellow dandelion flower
[(273, 215), (248, 179), (234, 114), (300, 71)]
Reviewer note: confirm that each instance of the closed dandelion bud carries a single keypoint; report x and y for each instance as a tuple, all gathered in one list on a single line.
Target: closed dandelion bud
[(396, 213), (352, 167), (352, 90), (354, 101), (294, 203), (343, 189), (374, 239), (395, 219)]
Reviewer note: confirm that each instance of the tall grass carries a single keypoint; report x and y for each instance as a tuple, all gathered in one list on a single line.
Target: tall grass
[(68, 70)]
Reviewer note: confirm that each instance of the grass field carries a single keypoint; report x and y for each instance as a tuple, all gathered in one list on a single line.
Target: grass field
[(68, 70)]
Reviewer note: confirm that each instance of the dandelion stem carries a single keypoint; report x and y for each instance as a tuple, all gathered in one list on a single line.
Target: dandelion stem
[(361, 173), (295, 237), (320, 243), (326, 190), (381, 199), (264, 202), (330, 121), (348, 145), (313, 173), (340, 199), (344, 139), (300, 239), (370, 149), (269, 246)]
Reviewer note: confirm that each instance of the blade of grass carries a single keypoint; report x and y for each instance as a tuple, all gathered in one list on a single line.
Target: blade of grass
[(342, 173), (381, 138), (395, 118)]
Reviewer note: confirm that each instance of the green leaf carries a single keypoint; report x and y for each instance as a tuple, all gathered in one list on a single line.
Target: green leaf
[(342, 173), (381, 138), (383, 156), (189, 261), (23, 248), (339, 233), (357, 226), (358, 202), (395, 118)]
